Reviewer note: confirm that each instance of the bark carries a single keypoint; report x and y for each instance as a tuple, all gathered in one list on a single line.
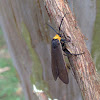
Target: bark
[(28, 39), (85, 13), (82, 66)]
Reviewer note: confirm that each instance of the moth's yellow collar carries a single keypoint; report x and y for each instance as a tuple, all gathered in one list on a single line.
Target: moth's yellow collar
[(57, 37)]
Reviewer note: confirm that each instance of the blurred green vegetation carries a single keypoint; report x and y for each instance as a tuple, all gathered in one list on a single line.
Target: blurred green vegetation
[(9, 83), (96, 38)]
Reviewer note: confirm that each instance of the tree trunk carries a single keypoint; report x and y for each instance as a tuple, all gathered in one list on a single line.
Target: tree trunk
[(28, 39), (83, 67), (85, 13)]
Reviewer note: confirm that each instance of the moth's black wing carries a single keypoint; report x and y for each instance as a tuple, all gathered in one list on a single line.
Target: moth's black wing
[(58, 64), (54, 66)]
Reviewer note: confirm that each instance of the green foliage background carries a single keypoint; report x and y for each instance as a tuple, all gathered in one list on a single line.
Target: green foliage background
[(96, 38), (9, 84)]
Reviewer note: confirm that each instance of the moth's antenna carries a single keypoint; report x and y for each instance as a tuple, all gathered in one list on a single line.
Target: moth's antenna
[(54, 30), (61, 22)]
